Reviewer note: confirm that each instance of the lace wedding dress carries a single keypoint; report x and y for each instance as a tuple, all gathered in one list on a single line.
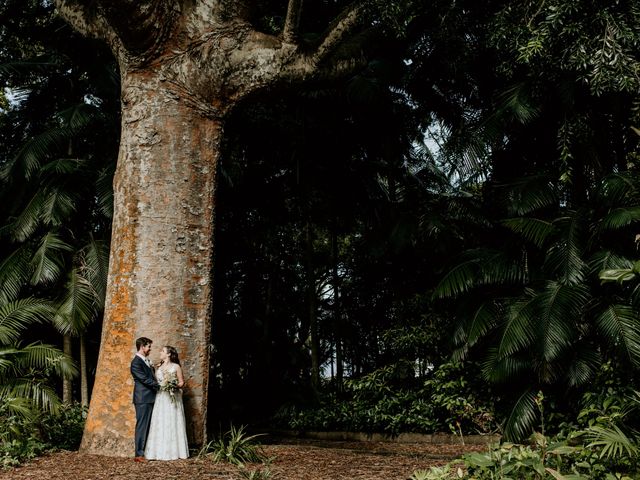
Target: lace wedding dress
[(167, 439)]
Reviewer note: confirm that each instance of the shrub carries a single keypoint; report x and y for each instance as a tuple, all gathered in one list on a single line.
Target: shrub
[(392, 400), (23, 437), (235, 447), (63, 430)]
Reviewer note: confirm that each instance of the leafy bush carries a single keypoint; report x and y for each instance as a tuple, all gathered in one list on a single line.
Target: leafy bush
[(605, 448), (25, 436), (18, 436), (392, 400), (17, 451), (63, 430)]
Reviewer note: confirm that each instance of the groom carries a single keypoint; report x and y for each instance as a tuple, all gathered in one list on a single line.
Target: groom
[(144, 393)]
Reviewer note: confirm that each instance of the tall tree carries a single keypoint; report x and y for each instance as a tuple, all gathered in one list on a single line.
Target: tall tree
[(184, 66)]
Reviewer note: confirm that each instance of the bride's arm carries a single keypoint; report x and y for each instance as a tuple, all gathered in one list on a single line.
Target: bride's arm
[(180, 376)]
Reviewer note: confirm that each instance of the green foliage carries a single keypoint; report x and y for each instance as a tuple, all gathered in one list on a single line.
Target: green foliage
[(390, 400), (552, 323), (235, 447), (24, 435), (261, 473), (26, 371), (63, 430), (599, 444)]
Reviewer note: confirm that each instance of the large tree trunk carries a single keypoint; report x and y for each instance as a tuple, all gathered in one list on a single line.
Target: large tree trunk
[(160, 266), (184, 65)]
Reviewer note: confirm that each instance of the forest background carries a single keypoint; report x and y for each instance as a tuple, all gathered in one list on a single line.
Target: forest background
[(419, 247)]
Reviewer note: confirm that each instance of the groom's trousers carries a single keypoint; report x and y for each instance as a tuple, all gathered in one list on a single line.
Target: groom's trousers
[(143, 421)]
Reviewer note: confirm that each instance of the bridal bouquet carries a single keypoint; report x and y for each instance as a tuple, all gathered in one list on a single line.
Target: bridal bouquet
[(169, 384)]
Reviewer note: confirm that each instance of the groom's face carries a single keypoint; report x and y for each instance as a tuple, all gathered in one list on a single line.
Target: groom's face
[(146, 349)]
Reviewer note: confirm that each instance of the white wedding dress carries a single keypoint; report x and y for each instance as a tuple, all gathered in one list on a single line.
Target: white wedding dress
[(167, 439)]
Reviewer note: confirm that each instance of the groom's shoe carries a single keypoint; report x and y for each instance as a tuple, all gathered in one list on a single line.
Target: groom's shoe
[(140, 459)]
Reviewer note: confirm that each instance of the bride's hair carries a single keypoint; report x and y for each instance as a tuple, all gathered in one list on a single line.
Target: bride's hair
[(173, 354)]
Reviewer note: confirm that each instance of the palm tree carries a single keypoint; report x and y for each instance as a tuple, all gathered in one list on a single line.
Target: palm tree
[(56, 170), (26, 370), (534, 308)]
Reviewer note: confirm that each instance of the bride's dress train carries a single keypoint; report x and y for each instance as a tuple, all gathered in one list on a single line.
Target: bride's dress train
[(167, 439)]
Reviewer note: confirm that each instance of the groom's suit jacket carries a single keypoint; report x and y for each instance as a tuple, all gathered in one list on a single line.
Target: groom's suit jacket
[(144, 382)]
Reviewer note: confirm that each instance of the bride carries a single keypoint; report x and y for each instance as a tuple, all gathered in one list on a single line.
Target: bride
[(167, 439)]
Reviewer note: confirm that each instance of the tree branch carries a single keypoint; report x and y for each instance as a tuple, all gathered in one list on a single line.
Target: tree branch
[(339, 29), (291, 30), (141, 25), (138, 26), (83, 19)]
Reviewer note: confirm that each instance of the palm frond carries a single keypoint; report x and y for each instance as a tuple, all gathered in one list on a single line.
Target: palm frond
[(35, 151), (25, 224), (39, 356), (612, 441), (620, 325), (515, 102), (564, 258), (17, 315), (95, 266), (482, 321), (619, 218), (481, 267), (583, 366), (459, 279), (78, 116), (530, 194), (77, 306), (617, 189), (518, 331), (497, 268), (534, 230), (64, 166), (47, 262), (41, 64), (104, 191), (58, 206), (37, 393), (499, 369), (20, 407), (558, 307), (8, 367), (523, 417), (15, 271), (607, 260)]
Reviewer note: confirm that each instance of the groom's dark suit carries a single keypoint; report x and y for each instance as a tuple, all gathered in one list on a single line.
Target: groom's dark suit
[(144, 396)]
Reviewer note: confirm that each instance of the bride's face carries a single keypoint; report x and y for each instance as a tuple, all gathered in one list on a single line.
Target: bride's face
[(163, 354)]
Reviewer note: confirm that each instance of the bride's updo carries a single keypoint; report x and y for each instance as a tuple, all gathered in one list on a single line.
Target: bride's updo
[(173, 354)]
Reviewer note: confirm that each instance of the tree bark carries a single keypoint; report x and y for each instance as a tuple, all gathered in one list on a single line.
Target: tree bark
[(161, 260), (184, 65)]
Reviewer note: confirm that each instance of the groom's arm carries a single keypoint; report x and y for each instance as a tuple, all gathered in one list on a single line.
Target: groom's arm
[(141, 374)]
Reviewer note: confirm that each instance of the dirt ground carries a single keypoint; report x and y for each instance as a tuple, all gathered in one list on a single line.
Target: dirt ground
[(292, 460)]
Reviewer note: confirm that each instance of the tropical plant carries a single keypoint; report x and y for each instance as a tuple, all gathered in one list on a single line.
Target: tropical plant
[(26, 371), (235, 447), (56, 171), (534, 307)]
